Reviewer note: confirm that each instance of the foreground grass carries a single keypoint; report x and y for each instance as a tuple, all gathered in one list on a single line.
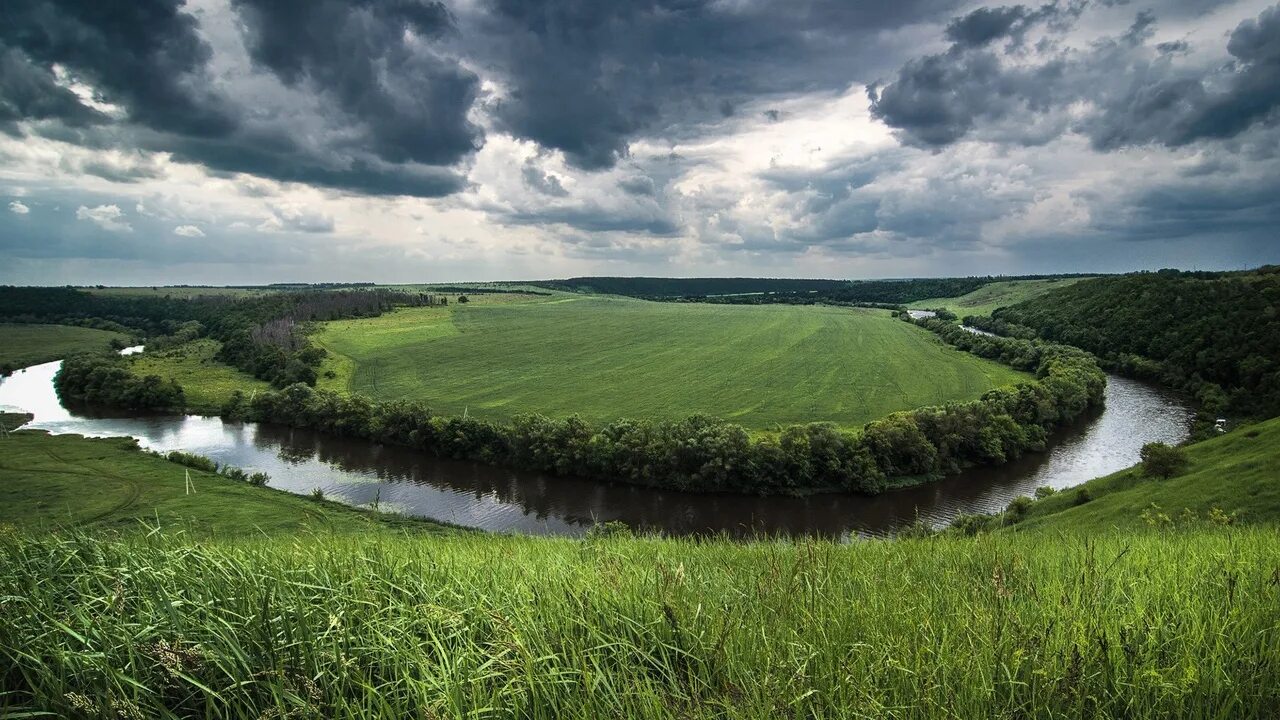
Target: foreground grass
[(1140, 626), (206, 382), (606, 358), (60, 481), (23, 345), (987, 298), (1236, 474)]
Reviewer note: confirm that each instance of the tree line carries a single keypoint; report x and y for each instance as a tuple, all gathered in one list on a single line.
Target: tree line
[(263, 335), (708, 454), (1214, 335)]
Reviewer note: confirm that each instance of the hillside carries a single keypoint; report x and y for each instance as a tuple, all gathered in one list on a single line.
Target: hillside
[(606, 358), (25, 345), (1214, 334), (49, 481), (1237, 474), (1139, 626), (987, 298)]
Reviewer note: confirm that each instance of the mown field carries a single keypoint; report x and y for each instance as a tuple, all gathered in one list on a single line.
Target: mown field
[(987, 298), (206, 382), (605, 358), (23, 345)]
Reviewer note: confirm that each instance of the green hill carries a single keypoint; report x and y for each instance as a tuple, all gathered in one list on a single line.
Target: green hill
[(987, 298), (1237, 474), (1214, 334)]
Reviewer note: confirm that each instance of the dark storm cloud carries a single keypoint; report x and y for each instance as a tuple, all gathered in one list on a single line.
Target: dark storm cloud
[(372, 60), (586, 77), (1139, 98), (142, 54), (398, 110)]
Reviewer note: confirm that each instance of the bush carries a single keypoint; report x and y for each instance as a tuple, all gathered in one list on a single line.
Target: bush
[(1044, 491), (1082, 496), (191, 460), (1162, 461), (259, 479)]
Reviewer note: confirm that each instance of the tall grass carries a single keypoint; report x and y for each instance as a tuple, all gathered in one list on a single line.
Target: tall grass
[(1150, 625)]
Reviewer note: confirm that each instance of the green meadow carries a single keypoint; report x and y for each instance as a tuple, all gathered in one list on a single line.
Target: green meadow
[(605, 358), (23, 345), (987, 298), (206, 382), (465, 625)]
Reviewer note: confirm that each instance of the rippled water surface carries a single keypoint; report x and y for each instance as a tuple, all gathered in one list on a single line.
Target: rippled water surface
[(496, 499)]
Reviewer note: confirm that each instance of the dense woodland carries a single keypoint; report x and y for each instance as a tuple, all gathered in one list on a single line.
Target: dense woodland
[(708, 454), (1216, 335), (656, 287)]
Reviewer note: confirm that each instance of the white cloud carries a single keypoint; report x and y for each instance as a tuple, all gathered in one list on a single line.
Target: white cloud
[(107, 217), (18, 208), (190, 231)]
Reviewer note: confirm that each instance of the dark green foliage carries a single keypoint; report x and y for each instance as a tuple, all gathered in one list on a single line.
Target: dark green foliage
[(191, 460), (1216, 335), (708, 454), (104, 380), (263, 335), (1163, 461)]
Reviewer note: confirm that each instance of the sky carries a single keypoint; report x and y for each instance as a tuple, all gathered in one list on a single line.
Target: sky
[(255, 141)]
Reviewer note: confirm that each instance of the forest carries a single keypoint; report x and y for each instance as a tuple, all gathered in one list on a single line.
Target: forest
[(1214, 335)]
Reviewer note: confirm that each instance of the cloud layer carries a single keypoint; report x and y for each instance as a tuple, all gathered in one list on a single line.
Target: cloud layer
[(414, 139)]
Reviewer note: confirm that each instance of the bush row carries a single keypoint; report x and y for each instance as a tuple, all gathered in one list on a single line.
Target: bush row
[(707, 454), (105, 380)]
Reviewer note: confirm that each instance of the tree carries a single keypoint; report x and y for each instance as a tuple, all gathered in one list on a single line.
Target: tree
[(463, 299), (1162, 461)]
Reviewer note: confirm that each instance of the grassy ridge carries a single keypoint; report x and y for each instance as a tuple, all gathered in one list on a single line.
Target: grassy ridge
[(606, 358), (987, 298), (1237, 473), (107, 483), (23, 345), (1141, 626)]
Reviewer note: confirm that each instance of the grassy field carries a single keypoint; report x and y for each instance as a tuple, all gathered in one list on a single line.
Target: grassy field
[(107, 483), (1150, 625), (987, 298), (24, 345), (207, 383), (606, 358), (1237, 473)]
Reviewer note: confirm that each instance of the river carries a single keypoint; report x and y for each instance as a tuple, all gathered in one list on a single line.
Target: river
[(501, 500)]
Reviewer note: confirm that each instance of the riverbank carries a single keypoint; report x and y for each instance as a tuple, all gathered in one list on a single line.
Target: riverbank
[(494, 499), (110, 484)]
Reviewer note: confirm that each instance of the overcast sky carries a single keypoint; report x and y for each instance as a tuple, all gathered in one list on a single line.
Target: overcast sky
[(247, 141)]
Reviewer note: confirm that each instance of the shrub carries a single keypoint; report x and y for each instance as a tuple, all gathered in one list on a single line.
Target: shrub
[(1082, 496), (259, 479), (1162, 461), (1044, 491), (191, 460)]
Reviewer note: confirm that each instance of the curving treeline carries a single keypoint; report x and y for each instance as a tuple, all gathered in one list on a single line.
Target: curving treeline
[(707, 454)]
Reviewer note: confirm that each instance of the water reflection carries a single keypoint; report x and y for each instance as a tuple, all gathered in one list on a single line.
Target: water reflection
[(481, 496)]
